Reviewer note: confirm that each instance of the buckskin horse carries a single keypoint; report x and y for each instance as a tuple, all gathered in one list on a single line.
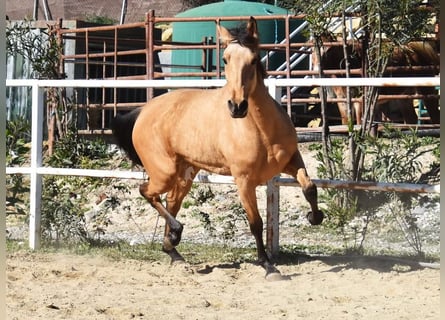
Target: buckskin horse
[(236, 130)]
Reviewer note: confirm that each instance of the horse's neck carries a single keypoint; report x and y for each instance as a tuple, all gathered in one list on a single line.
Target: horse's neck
[(268, 119), (263, 106)]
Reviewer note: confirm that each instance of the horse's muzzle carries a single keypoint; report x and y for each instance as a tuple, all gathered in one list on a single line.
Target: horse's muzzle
[(238, 110)]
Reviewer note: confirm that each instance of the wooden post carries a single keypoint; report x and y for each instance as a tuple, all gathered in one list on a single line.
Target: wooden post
[(273, 216), (149, 47)]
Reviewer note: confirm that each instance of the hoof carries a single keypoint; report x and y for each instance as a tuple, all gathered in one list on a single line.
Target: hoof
[(274, 276), (272, 273), (175, 256), (178, 261), (174, 236), (315, 218)]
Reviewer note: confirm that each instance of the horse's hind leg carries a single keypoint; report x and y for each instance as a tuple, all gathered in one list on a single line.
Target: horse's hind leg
[(175, 227), (297, 169), (174, 201), (431, 104), (178, 186)]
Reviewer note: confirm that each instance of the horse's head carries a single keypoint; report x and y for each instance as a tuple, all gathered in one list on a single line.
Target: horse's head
[(242, 65)]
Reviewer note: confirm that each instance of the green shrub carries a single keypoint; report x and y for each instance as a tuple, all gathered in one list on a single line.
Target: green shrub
[(17, 154), (393, 157), (65, 199)]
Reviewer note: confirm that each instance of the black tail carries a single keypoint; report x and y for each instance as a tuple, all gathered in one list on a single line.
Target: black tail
[(122, 127)]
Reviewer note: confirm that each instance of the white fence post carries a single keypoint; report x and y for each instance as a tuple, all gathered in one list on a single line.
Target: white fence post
[(274, 91), (36, 163), (273, 193)]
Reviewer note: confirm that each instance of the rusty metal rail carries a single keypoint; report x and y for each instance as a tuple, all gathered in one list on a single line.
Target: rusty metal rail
[(111, 50)]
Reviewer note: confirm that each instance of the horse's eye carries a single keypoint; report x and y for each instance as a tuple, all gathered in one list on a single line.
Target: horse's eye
[(224, 60)]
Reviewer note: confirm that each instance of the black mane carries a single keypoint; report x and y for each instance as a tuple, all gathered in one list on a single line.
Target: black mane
[(241, 35)]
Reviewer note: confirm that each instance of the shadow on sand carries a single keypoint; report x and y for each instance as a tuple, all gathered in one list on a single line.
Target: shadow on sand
[(380, 263)]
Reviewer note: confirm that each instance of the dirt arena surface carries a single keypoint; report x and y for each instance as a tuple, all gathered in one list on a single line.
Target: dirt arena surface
[(64, 286)]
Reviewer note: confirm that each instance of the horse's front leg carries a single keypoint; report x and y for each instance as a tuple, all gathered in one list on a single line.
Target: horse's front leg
[(249, 201), (297, 169)]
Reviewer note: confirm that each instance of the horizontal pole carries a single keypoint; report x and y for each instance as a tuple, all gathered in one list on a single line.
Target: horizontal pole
[(356, 82), (202, 83), (366, 185), (78, 172), (99, 83), (219, 179)]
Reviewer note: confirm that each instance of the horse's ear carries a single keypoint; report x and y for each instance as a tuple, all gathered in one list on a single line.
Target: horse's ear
[(252, 27), (224, 34)]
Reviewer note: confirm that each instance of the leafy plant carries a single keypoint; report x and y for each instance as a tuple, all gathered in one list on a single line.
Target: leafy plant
[(39, 46), (62, 214), (42, 49), (393, 157), (223, 226), (204, 218), (397, 156), (100, 19), (17, 141), (230, 221), (73, 151), (98, 217), (201, 194), (65, 199), (17, 154)]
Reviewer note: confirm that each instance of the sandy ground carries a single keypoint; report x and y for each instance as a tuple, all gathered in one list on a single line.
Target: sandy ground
[(62, 286)]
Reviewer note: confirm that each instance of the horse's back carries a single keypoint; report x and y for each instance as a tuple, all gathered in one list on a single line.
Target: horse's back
[(183, 123), (175, 108)]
